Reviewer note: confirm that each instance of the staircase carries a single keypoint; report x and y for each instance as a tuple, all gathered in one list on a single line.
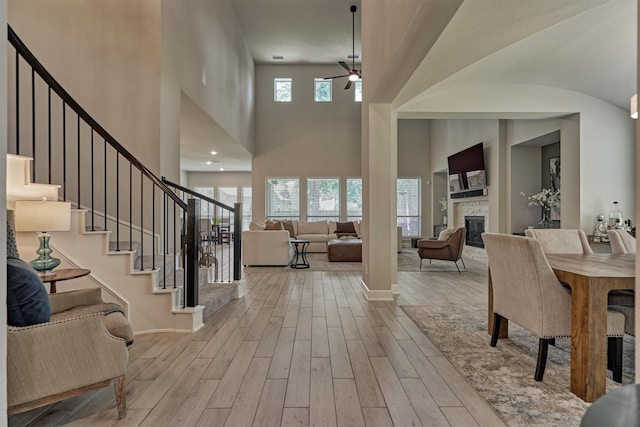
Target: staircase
[(138, 237)]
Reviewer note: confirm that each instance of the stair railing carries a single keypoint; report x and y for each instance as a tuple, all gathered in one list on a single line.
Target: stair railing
[(220, 231), (97, 173)]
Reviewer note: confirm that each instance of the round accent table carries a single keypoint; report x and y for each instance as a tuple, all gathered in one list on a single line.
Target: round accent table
[(299, 259), (63, 274)]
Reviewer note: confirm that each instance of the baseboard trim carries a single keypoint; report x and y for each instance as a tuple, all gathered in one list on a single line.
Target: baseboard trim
[(375, 295), (395, 289)]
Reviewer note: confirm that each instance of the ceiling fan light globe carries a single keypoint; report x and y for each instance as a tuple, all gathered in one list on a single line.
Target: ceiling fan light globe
[(353, 77)]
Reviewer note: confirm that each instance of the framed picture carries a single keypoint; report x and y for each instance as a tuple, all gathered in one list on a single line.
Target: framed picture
[(454, 183), (477, 179)]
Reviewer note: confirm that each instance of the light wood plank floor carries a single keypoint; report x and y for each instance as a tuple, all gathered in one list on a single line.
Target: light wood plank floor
[(300, 348)]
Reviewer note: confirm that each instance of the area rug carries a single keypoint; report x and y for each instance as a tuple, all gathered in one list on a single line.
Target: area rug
[(504, 375)]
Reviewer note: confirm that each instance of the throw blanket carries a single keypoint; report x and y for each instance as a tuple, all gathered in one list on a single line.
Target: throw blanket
[(82, 310)]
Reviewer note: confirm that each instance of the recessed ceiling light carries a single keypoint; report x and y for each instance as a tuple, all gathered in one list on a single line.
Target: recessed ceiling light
[(214, 152), (209, 162), (222, 169), (278, 57)]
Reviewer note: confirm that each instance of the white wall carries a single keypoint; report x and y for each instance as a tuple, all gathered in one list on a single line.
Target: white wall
[(107, 56), (303, 138), (597, 141), (218, 179), (413, 162)]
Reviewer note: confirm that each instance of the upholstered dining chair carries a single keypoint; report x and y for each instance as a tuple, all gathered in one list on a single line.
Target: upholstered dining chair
[(621, 242), (527, 292), (624, 300), (448, 246), (561, 240)]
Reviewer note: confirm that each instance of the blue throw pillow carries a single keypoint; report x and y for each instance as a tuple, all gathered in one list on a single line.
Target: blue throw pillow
[(27, 299)]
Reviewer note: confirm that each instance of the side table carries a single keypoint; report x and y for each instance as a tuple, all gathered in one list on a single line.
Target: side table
[(299, 259), (63, 274)]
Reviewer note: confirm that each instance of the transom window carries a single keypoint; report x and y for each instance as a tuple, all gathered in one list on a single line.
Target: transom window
[(322, 90), (282, 198), (408, 209), (282, 89), (323, 199)]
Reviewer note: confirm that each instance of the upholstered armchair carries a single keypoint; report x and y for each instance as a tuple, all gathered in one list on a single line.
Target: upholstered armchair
[(623, 300), (67, 343), (527, 292), (448, 246)]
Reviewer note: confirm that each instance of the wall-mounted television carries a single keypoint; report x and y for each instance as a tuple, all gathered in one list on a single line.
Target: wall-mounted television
[(466, 169)]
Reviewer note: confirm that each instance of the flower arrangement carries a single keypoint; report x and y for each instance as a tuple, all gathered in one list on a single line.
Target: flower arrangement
[(546, 199), (443, 204)]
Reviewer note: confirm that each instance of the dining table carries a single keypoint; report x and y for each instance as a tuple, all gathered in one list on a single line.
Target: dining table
[(591, 277)]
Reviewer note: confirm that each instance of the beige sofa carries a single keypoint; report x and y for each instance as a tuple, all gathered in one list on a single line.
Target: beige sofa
[(266, 247)]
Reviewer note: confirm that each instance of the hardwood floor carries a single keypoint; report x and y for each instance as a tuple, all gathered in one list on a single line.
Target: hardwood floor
[(300, 348)]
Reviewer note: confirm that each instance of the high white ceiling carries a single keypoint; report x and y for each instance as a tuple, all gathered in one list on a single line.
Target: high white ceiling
[(593, 52)]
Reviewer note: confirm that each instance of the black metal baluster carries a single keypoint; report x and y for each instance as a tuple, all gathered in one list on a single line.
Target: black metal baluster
[(49, 131), (105, 185), (17, 103), (78, 157), (165, 224), (33, 125), (93, 208), (130, 207), (64, 151), (141, 221), (118, 202), (153, 226)]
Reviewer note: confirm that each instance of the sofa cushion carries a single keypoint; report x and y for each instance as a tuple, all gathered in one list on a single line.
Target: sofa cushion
[(273, 225), (253, 225), (290, 227), (313, 227), (27, 299)]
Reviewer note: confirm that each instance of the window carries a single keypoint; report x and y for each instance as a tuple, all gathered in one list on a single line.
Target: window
[(282, 89), (322, 90), (358, 91), (408, 209), (354, 199), (246, 207), (206, 208), (323, 199), (282, 197), (228, 196)]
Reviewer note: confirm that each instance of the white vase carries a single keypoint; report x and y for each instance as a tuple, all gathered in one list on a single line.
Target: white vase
[(444, 220)]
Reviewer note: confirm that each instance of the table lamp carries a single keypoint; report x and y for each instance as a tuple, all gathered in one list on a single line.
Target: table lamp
[(42, 216)]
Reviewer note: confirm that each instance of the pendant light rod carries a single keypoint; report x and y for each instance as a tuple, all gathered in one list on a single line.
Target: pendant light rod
[(353, 36)]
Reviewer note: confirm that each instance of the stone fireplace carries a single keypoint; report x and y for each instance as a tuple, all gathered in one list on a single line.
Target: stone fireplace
[(476, 209)]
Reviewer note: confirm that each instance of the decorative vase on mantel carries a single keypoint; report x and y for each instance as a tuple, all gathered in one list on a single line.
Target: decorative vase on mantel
[(546, 221)]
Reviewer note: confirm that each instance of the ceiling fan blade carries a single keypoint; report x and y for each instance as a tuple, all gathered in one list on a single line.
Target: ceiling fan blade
[(344, 65), (348, 86), (335, 77)]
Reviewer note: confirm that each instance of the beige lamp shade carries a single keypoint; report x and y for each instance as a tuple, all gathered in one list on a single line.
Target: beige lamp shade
[(634, 106), (43, 216)]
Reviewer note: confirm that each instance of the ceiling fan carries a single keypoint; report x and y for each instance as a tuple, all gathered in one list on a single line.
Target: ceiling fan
[(354, 75)]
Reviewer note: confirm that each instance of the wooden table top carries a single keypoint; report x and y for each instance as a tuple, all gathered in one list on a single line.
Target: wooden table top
[(595, 265), (65, 274)]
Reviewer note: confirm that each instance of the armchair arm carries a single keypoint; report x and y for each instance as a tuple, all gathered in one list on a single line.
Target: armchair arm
[(63, 301), (432, 244), (57, 357)]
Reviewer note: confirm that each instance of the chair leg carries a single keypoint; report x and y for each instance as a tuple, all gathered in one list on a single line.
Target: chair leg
[(465, 267), (614, 357), (456, 263), (552, 341), (121, 396), (420, 263), (543, 346), (496, 329)]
